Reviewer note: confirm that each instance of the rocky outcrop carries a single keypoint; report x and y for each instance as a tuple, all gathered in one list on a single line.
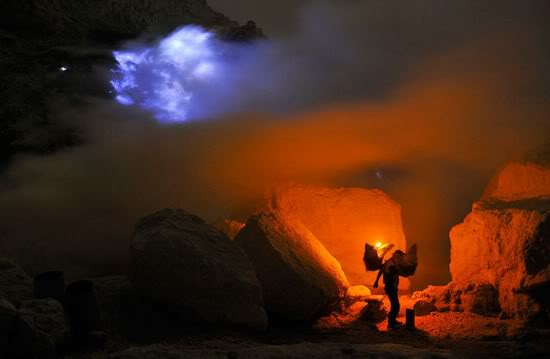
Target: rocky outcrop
[(343, 219), (502, 248), (15, 284), (195, 270), (519, 180), (504, 244), (79, 35), (107, 20), (300, 279)]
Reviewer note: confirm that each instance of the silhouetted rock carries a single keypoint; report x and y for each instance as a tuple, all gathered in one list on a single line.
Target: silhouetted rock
[(8, 313), (41, 330), (127, 313), (15, 284), (300, 279), (343, 219), (189, 266), (374, 312), (68, 21)]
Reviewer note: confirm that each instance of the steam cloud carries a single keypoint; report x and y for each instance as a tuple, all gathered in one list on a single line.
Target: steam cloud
[(431, 96)]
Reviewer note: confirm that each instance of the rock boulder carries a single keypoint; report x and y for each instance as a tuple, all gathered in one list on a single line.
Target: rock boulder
[(192, 268), (343, 219), (519, 180), (423, 307), (299, 277), (8, 313), (505, 245), (15, 284), (41, 330)]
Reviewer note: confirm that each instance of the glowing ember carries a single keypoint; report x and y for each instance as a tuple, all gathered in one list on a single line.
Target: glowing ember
[(165, 78)]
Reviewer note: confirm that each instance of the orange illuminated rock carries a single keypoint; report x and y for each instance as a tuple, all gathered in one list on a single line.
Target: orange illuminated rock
[(229, 226), (505, 244), (519, 180), (504, 241), (343, 219), (299, 277)]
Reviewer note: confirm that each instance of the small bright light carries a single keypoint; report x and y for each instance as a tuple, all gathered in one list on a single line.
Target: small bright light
[(63, 68), (378, 245)]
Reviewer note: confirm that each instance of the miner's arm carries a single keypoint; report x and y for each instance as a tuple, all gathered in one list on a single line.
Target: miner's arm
[(378, 277)]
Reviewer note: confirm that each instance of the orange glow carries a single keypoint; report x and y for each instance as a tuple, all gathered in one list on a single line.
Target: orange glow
[(378, 245)]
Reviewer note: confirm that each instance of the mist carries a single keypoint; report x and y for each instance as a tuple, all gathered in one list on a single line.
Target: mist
[(432, 96)]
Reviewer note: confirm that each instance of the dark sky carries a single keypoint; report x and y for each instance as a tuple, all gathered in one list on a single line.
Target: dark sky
[(275, 17)]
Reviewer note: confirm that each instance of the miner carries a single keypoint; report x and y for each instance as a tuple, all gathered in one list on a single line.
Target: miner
[(390, 271)]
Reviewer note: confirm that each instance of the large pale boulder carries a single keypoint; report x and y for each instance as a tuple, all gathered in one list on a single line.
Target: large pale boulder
[(194, 269), (505, 244), (343, 219), (299, 277), (520, 180)]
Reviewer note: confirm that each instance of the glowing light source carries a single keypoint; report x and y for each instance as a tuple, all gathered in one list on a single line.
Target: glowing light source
[(63, 68), (378, 245), (165, 78)]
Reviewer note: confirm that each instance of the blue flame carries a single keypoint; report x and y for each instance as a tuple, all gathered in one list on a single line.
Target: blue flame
[(165, 78)]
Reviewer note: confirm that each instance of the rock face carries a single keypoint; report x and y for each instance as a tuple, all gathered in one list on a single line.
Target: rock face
[(343, 219), (15, 284), (184, 264), (299, 277), (519, 180), (79, 35), (504, 243), (90, 20)]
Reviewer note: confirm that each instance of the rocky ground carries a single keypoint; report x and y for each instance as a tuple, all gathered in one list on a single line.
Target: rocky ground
[(442, 335)]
